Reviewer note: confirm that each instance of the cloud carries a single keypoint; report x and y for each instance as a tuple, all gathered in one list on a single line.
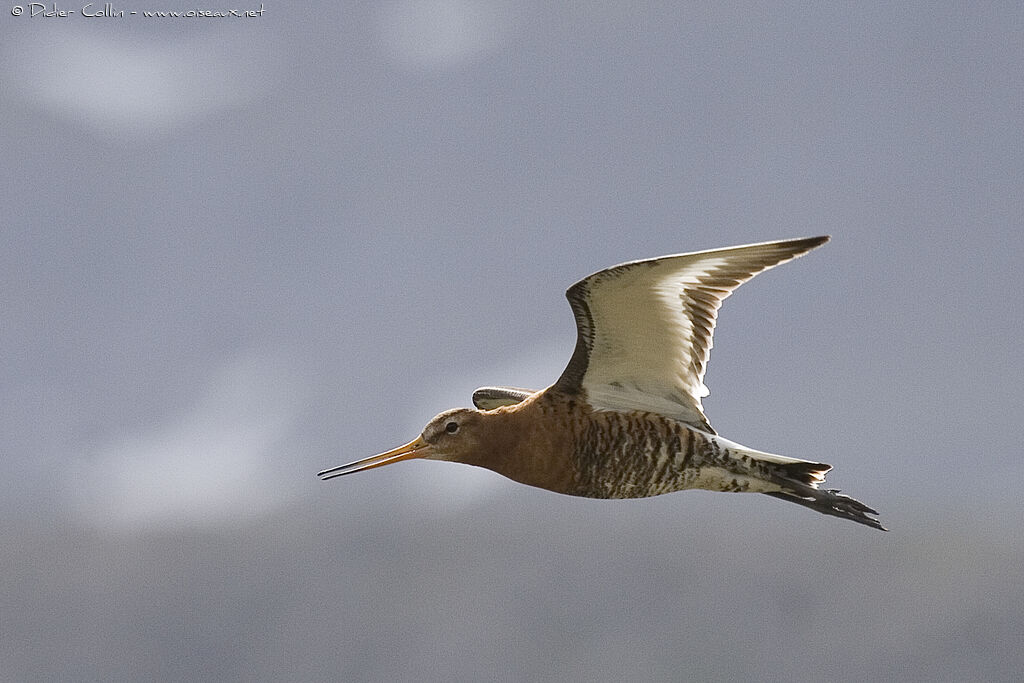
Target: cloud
[(212, 465), (436, 34), (126, 88)]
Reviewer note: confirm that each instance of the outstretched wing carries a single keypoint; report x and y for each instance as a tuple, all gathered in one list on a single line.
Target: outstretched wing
[(644, 328), (489, 398)]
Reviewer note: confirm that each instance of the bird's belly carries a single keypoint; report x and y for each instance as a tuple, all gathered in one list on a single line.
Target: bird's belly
[(665, 457)]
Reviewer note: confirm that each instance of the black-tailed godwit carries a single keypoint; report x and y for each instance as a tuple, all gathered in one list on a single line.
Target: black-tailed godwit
[(625, 420)]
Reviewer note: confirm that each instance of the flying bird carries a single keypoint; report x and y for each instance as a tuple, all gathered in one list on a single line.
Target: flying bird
[(624, 420)]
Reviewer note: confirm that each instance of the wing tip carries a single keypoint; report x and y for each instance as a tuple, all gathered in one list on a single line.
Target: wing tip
[(800, 245), (489, 398)]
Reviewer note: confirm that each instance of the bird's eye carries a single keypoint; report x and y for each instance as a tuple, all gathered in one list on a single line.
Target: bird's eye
[(451, 427)]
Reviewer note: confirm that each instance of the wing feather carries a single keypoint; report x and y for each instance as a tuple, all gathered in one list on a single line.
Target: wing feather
[(645, 328), (489, 398)]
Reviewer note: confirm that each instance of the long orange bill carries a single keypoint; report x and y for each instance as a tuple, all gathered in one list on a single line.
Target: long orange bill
[(414, 449)]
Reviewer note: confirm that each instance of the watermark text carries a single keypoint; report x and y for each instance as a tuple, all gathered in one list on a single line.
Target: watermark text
[(44, 10)]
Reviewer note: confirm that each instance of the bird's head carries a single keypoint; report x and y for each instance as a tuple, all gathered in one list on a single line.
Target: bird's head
[(454, 435)]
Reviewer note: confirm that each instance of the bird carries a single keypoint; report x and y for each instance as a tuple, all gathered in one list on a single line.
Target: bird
[(624, 419)]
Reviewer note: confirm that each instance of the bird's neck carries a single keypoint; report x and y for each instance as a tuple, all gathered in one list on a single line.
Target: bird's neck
[(527, 444)]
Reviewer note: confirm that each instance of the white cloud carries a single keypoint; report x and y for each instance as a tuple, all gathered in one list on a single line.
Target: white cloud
[(212, 465), (130, 89), (437, 34)]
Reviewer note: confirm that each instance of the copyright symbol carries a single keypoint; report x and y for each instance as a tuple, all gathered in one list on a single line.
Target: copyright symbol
[(17, 10)]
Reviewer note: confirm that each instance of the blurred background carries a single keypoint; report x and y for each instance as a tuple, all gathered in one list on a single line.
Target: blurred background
[(237, 251)]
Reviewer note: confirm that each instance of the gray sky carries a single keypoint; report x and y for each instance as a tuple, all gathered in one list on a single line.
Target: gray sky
[(236, 251)]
